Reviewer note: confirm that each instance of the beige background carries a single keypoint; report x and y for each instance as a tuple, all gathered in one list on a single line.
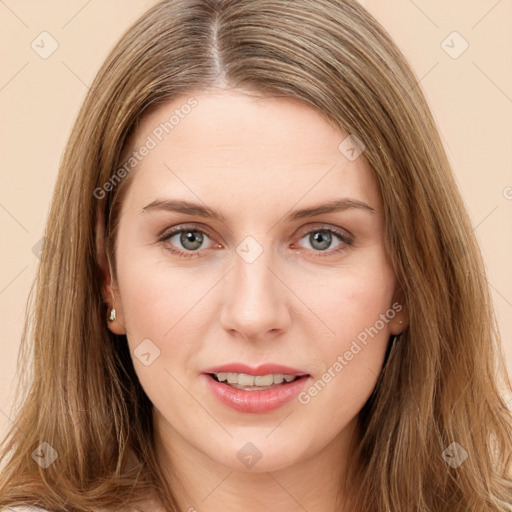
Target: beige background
[(471, 97)]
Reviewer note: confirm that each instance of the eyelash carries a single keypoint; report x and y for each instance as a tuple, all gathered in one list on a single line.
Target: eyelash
[(346, 241)]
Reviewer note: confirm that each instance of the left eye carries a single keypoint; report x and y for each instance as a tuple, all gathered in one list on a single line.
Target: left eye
[(321, 239)]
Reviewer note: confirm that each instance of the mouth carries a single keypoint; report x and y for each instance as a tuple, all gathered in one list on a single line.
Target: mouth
[(255, 389), (247, 393)]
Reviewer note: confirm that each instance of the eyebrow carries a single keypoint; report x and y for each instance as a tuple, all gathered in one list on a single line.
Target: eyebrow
[(189, 208)]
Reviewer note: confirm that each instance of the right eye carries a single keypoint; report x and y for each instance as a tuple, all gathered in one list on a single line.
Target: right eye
[(184, 241)]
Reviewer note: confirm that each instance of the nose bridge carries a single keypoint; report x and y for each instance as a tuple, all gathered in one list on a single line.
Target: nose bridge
[(255, 300)]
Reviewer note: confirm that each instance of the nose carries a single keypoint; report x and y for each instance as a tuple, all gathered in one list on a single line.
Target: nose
[(255, 299)]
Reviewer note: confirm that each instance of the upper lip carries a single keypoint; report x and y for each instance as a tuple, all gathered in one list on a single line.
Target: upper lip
[(263, 369)]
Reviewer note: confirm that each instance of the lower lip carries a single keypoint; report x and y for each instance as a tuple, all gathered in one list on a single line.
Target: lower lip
[(255, 401)]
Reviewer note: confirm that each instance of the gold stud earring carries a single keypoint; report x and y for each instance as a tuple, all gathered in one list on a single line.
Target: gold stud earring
[(112, 316)]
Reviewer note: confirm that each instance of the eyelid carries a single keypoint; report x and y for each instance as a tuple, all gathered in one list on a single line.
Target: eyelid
[(319, 226), (168, 232)]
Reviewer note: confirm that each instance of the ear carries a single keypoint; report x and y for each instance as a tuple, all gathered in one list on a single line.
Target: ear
[(109, 289), (400, 321)]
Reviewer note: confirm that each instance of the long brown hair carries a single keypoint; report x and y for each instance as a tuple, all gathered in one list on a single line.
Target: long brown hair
[(438, 397)]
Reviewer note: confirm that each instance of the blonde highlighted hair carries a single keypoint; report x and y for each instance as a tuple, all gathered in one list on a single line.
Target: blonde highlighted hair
[(78, 390)]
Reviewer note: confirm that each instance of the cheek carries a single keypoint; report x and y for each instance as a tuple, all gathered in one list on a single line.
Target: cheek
[(349, 300), (162, 305), (155, 299), (367, 295), (356, 307)]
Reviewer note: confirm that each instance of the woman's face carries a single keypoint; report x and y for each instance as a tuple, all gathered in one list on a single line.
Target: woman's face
[(261, 274)]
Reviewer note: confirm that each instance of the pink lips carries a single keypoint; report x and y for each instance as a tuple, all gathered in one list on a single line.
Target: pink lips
[(264, 369), (260, 401)]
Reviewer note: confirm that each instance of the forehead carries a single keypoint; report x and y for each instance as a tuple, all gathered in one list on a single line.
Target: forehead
[(232, 142), (226, 119)]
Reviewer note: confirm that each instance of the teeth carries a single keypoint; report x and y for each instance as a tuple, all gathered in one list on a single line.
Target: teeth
[(250, 380)]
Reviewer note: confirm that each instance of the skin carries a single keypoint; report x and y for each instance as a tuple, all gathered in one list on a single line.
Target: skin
[(254, 161)]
